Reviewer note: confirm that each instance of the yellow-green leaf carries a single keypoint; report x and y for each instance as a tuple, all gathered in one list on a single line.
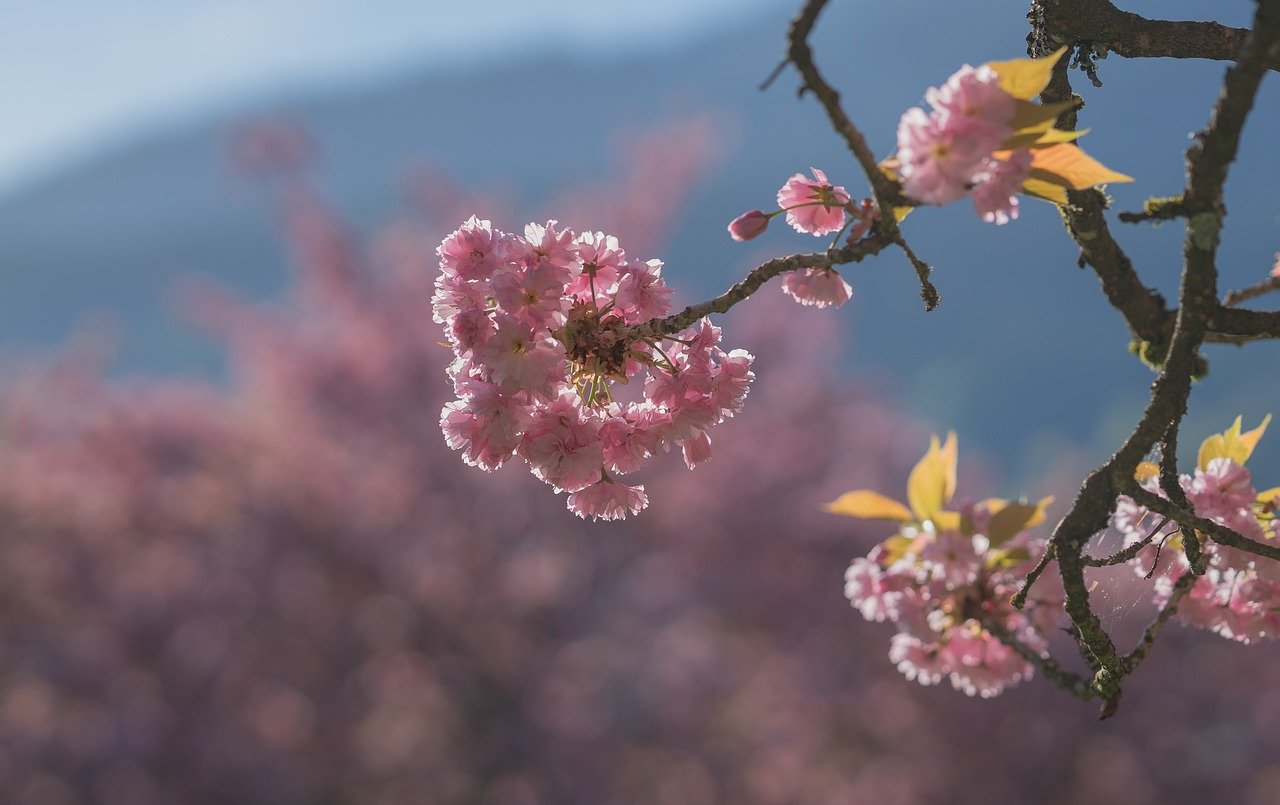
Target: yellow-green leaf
[(1037, 138), (1026, 78), (889, 167), (933, 480), (1068, 166), (1055, 136), (867, 505), (1211, 448), (1269, 495), (1039, 188), (1007, 557), (896, 547), (1145, 471), (1231, 443), (1248, 441), (1010, 520), (1042, 509), (991, 505), (1028, 116), (947, 521)]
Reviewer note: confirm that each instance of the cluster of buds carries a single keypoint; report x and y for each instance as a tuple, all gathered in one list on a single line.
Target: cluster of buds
[(945, 579), (1238, 596), (545, 330)]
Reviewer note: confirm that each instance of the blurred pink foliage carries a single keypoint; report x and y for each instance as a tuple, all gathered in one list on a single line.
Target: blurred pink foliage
[(661, 169), (289, 590)]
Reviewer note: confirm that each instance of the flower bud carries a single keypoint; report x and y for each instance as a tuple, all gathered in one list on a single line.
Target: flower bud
[(748, 225)]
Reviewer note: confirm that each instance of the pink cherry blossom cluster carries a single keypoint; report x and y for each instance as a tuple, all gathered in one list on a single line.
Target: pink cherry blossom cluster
[(1238, 596), (815, 207), (541, 329), (947, 153), (936, 585)]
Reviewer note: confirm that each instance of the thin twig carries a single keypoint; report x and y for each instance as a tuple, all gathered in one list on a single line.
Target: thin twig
[(1156, 209), (1129, 553), (773, 74), (1020, 598), (1171, 485), (887, 192), (1268, 285), (928, 293), (1180, 588), (758, 276), (1071, 682), (1216, 531), (800, 54)]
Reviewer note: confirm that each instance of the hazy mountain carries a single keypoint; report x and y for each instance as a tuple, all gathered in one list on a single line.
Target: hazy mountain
[(1022, 357)]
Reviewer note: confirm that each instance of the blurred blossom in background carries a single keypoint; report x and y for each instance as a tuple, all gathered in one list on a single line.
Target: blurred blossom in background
[(240, 564)]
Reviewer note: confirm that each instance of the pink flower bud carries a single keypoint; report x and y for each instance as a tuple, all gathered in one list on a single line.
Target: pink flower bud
[(748, 225)]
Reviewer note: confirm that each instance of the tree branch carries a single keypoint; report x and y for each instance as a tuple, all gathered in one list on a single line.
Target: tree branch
[(1072, 683), (888, 193), (1155, 209), (801, 55), (1208, 161), (1239, 325), (1216, 531), (1100, 23), (1143, 308), (1180, 588), (1172, 488), (1268, 285), (1129, 553), (851, 253), (1177, 334)]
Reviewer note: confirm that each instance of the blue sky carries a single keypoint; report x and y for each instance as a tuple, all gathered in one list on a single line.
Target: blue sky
[(79, 75)]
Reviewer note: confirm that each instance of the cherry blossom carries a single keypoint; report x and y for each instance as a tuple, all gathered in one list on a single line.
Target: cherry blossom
[(945, 575), (947, 152), (813, 205), (607, 499), (944, 153), (995, 192), (542, 328), (1238, 596), (937, 163), (818, 287), (971, 101)]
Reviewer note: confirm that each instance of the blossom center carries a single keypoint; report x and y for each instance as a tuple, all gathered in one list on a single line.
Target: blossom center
[(597, 347)]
